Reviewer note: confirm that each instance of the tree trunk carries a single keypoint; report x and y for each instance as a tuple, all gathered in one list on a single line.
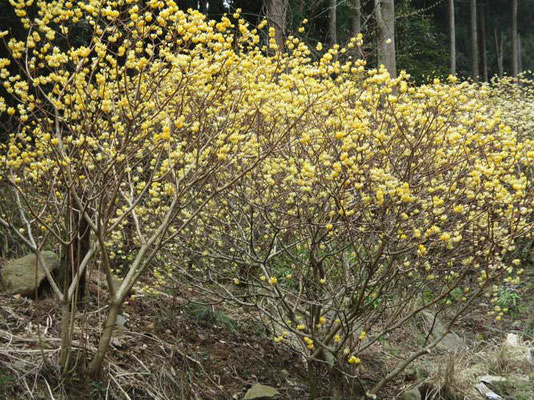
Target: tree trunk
[(515, 41), (136, 268), (105, 339), (66, 336), (356, 20), (314, 379), (483, 44), (498, 51), (474, 41), (340, 386), (81, 245), (452, 38), (203, 7), (332, 22), (385, 17), (299, 10), (276, 15), (519, 60), (216, 9)]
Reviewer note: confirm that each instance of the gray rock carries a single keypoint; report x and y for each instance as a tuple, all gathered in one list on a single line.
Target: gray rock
[(413, 394), (261, 392), (19, 275), (451, 341), (121, 322)]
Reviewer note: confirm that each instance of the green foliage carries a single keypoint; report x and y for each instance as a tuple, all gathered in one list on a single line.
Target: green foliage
[(420, 46), (518, 389), (6, 383), (509, 299), (214, 317), (98, 390)]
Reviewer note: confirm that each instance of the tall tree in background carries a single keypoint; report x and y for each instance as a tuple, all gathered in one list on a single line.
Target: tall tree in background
[(385, 19), (515, 41), (497, 37), (421, 28), (356, 20), (519, 59), (299, 10), (203, 6), (474, 40), (216, 9), (483, 51), (332, 22), (452, 37), (276, 15)]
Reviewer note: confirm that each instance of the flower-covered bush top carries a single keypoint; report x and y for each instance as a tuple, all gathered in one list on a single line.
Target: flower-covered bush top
[(388, 199), (514, 99)]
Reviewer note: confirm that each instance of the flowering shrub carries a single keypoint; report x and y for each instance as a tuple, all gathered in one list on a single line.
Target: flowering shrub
[(338, 202), (129, 135), (514, 98), (388, 200)]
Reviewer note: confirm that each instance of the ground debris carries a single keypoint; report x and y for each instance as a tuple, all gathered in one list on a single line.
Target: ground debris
[(487, 392)]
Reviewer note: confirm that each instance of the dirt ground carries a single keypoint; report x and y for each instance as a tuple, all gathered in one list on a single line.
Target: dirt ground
[(171, 349)]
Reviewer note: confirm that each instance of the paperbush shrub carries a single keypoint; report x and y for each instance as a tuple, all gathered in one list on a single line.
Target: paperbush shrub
[(125, 138), (389, 199)]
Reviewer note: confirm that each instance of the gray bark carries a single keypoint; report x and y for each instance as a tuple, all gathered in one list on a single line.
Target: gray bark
[(519, 60), (276, 15), (498, 51), (203, 7), (385, 17), (452, 37), (356, 20), (474, 40), (332, 22), (515, 41), (66, 336), (105, 339), (483, 57)]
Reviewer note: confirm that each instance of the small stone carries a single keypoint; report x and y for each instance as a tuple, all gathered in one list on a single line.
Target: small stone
[(512, 340), (150, 326), (530, 356), (412, 394), (118, 342), (261, 392), (121, 322)]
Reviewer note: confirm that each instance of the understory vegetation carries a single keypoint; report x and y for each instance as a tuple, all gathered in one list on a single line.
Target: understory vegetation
[(213, 191)]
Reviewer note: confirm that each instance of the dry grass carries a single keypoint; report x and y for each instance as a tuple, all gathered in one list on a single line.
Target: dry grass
[(454, 376), (168, 352)]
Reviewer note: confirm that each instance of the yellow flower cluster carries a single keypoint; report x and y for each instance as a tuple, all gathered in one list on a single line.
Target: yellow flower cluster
[(383, 197)]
